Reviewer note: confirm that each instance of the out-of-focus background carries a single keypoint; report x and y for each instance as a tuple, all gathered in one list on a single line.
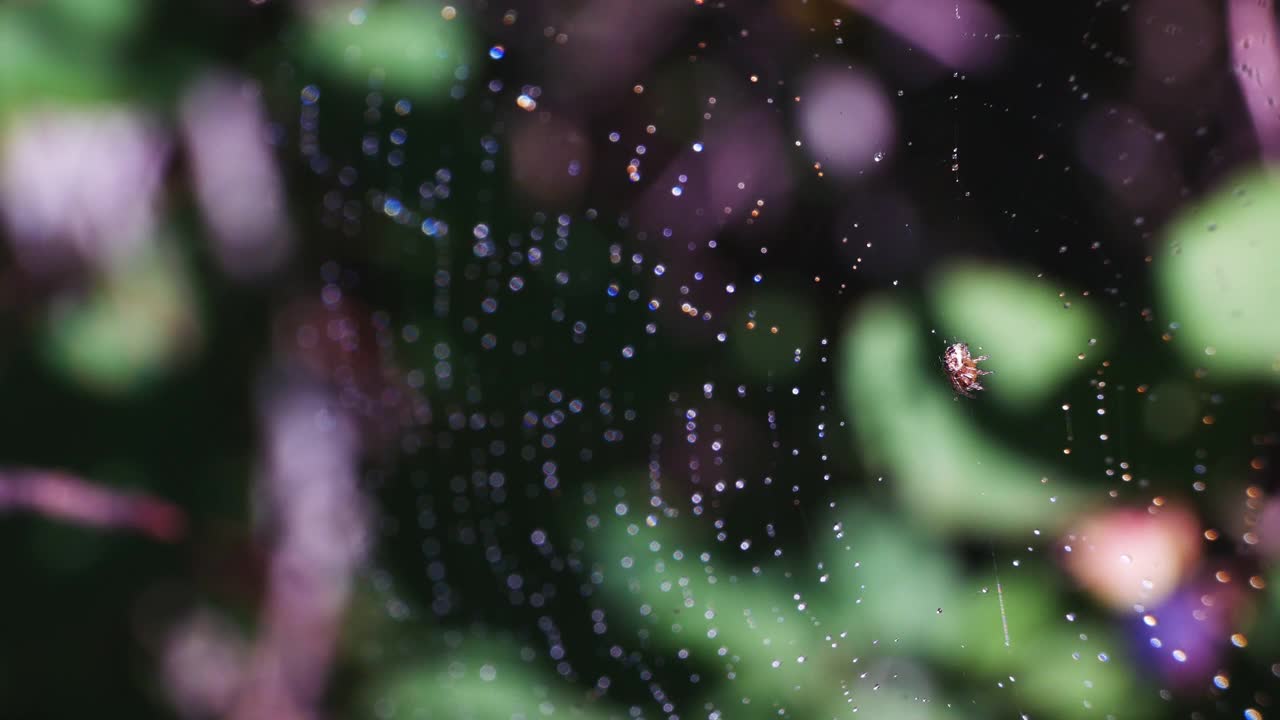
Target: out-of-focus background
[(404, 359)]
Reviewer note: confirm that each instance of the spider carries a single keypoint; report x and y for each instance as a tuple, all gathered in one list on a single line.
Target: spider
[(962, 369)]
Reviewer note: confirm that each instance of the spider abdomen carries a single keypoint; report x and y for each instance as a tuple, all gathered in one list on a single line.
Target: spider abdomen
[(962, 369)]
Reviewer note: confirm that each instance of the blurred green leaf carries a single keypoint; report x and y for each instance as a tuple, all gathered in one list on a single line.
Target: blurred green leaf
[(947, 473), (108, 20), (1217, 280), (486, 682), (1059, 668), (137, 322), (892, 687), (1019, 320), (410, 44), (884, 582), (688, 600), (41, 64), (901, 592)]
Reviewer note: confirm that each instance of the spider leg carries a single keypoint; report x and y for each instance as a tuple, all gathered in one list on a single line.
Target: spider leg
[(985, 372), (980, 359)]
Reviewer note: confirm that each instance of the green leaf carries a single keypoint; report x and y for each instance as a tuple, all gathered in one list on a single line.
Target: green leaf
[(96, 20), (1034, 337), (412, 47), (947, 473), (40, 65), (1217, 280), (136, 323), (890, 584), (487, 682), (686, 601)]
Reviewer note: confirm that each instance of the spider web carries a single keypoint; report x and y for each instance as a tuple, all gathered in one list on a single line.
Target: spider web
[(677, 318)]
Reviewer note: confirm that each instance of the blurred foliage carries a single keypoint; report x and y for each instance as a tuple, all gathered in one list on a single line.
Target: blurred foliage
[(64, 50), (949, 474), (1034, 337), (408, 47), (130, 328), (1217, 280), (890, 547), (476, 688)]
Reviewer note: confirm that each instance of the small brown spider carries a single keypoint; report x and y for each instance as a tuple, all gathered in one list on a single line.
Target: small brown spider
[(962, 369)]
